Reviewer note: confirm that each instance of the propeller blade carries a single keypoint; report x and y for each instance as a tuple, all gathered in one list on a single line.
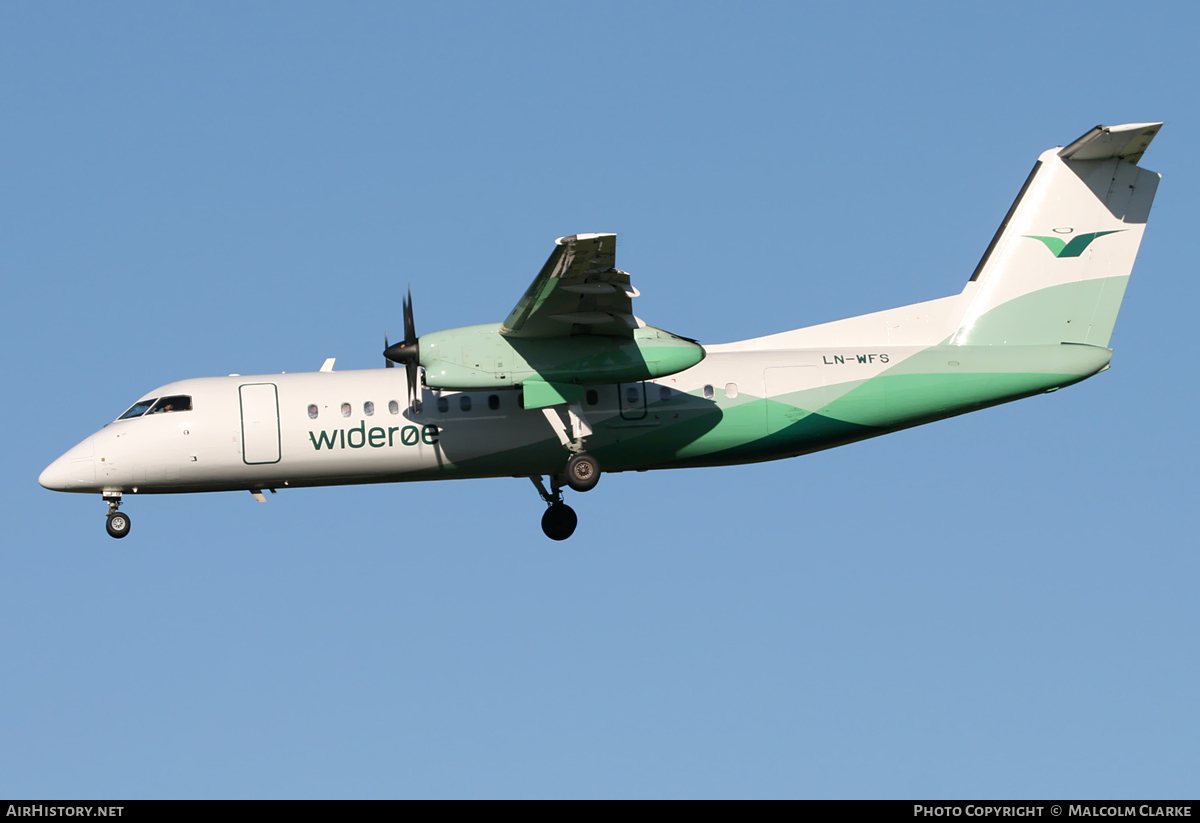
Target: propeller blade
[(387, 364), (414, 401), (410, 326)]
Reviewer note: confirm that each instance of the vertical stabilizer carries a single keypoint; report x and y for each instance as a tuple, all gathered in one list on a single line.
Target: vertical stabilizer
[(1057, 268)]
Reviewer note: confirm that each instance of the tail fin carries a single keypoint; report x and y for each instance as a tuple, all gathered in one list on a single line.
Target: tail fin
[(1057, 268)]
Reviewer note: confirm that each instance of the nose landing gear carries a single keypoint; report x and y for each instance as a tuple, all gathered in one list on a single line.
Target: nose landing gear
[(117, 524)]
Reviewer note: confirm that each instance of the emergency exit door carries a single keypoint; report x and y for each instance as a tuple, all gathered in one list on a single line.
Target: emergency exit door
[(632, 400), (260, 423)]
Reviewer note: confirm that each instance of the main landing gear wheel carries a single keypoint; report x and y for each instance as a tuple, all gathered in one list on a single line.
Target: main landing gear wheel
[(583, 472), (117, 525), (559, 521)]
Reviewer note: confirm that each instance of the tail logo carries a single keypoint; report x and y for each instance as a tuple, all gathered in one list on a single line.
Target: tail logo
[(1060, 248)]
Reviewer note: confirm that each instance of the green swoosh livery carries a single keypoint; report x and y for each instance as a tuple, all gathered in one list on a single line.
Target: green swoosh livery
[(1060, 248)]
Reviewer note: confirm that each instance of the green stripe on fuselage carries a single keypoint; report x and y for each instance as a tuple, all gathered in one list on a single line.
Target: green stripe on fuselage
[(938, 382)]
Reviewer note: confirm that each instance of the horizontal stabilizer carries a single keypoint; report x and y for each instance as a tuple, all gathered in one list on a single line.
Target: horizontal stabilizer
[(1128, 142)]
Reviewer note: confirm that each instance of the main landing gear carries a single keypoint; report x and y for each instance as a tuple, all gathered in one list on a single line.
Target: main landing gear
[(559, 521), (582, 472), (118, 524)]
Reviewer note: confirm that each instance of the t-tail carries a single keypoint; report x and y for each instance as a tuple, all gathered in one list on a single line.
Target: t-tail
[(1057, 268)]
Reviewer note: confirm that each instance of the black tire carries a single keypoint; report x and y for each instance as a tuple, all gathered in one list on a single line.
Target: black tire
[(559, 521), (583, 472), (118, 525)]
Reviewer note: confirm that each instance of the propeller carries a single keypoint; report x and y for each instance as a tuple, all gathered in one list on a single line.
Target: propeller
[(407, 351)]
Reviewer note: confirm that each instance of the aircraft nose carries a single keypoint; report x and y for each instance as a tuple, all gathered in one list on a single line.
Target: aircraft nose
[(74, 470), (54, 476)]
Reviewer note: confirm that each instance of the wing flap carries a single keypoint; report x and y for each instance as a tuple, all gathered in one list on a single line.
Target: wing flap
[(579, 285)]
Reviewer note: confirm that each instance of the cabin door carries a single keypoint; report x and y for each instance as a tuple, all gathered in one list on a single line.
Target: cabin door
[(260, 423)]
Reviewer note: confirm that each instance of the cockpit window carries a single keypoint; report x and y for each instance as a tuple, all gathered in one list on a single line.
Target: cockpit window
[(137, 409), (174, 403)]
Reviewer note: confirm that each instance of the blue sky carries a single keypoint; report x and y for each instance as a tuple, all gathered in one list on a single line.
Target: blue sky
[(998, 605)]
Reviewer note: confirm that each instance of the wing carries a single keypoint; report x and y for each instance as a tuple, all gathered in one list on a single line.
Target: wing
[(578, 291)]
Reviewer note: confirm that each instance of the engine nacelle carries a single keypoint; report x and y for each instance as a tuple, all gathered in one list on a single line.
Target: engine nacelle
[(479, 357)]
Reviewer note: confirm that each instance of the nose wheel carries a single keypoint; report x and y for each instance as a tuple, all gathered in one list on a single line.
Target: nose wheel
[(117, 524)]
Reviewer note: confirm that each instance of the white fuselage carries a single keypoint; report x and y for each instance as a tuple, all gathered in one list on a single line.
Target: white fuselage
[(258, 432)]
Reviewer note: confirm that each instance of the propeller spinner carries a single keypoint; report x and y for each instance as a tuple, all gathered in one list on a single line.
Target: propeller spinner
[(407, 351)]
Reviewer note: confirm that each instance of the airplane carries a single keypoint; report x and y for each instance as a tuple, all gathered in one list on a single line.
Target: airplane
[(573, 383)]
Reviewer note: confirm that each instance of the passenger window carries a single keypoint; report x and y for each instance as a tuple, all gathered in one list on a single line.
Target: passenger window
[(493, 401), (345, 410), (137, 409), (464, 402), (174, 403), (593, 397), (443, 404), (393, 407), (709, 393), (368, 408), (313, 411), (731, 390), (664, 392), (631, 395)]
